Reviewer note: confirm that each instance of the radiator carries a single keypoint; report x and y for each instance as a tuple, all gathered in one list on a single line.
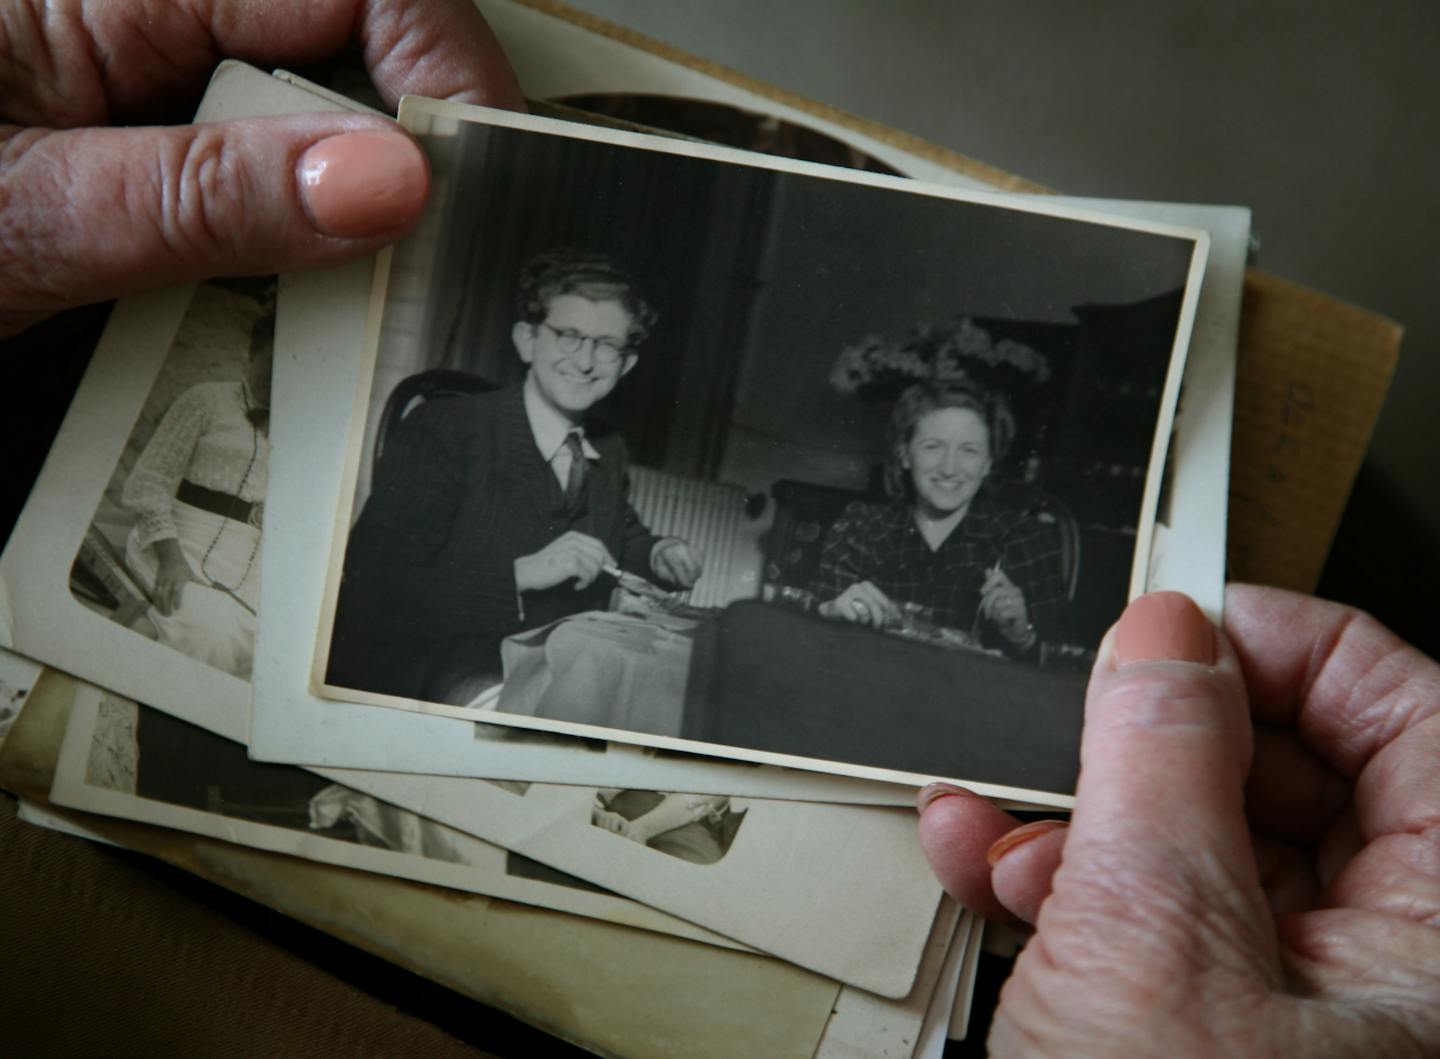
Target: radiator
[(711, 516)]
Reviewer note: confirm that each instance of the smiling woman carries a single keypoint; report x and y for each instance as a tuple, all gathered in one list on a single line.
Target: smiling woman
[(948, 552)]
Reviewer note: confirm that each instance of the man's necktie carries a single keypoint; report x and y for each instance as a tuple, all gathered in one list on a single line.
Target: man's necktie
[(579, 470)]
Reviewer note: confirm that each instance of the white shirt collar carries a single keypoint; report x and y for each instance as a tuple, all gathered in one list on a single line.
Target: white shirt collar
[(549, 427)]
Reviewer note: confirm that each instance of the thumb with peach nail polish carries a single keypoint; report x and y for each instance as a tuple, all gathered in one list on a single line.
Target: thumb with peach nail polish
[(1163, 627), (363, 184)]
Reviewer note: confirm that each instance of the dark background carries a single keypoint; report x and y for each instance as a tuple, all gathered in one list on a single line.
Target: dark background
[(1318, 115), (762, 278)]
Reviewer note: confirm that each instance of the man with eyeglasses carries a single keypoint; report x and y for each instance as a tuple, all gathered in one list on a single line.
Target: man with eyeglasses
[(507, 510)]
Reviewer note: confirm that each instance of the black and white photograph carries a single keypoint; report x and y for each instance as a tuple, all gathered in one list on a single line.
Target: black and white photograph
[(699, 828), (745, 868), (167, 446), (742, 869), (125, 759), (17, 677), (173, 551), (658, 440)]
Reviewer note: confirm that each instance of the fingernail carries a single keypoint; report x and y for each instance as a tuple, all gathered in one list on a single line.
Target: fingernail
[(1022, 834), (362, 184), (1163, 627), (935, 791)]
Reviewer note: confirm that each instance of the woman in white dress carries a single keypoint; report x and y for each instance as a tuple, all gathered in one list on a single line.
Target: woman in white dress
[(199, 490)]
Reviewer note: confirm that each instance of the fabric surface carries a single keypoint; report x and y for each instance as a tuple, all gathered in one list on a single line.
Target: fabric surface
[(605, 669), (576, 472), (97, 957), (205, 437), (215, 621), (879, 543)]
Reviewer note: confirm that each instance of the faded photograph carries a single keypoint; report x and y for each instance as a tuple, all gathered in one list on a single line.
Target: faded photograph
[(694, 827), (657, 442), (173, 551), (17, 677), (152, 755)]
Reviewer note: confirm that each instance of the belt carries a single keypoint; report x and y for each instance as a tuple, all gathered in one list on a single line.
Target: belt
[(226, 505)]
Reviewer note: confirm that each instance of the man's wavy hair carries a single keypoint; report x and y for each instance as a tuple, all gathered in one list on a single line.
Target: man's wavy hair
[(923, 398), (590, 274)]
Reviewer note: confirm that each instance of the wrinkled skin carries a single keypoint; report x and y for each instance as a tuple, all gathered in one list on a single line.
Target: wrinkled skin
[(1253, 863), (89, 212)]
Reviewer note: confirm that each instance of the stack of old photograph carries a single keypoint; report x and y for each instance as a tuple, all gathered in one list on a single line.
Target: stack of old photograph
[(636, 537)]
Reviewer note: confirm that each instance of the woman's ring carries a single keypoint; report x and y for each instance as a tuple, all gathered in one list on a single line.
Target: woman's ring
[(858, 606)]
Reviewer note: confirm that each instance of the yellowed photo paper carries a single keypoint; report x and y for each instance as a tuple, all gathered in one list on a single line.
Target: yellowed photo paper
[(774, 875), (127, 760)]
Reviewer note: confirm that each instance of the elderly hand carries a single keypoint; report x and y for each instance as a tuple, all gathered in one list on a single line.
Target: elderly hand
[(92, 213), (1253, 863)]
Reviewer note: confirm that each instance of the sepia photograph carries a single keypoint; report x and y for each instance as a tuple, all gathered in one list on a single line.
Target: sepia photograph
[(173, 551), (124, 759), (728, 872), (17, 677), (695, 827), (709, 454), (742, 867)]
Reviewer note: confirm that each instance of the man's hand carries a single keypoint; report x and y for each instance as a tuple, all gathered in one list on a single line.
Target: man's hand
[(574, 556), (90, 213), (675, 562), (1253, 863)]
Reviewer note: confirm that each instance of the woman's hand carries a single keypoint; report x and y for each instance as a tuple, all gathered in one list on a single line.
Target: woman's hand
[(863, 604), (676, 562), (91, 213), (172, 574), (1253, 863), (1002, 604), (572, 556)]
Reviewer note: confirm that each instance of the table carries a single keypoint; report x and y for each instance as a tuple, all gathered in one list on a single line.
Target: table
[(770, 678), (765, 677)]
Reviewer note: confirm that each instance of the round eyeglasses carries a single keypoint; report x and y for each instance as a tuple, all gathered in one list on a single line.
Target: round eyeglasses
[(605, 350)]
